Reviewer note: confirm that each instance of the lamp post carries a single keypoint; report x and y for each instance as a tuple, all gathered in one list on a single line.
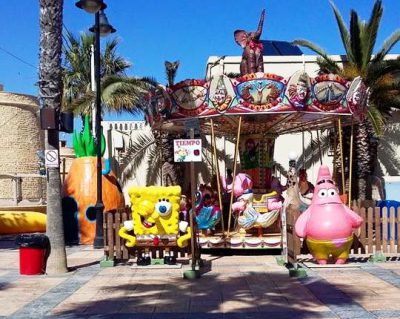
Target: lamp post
[(100, 28)]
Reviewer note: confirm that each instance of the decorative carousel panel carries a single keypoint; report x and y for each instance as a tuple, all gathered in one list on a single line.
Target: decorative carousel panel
[(329, 92), (357, 99), (161, 102), (222, 94), (298, 90), (259, 91), (190, 97)]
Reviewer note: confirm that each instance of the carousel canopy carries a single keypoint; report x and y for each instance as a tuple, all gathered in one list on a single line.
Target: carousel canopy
[(267, 103)]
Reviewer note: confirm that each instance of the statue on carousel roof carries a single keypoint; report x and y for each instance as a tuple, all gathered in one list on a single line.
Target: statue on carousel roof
[(252, 58)]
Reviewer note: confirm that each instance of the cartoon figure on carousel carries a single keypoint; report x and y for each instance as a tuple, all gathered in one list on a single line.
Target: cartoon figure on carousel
[(208, 212), (327, 225), (155, 221), (299, 92)]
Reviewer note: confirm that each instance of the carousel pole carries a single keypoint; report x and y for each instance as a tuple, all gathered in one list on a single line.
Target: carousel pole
[(304, 154), (163, 159), (351, 161), (193, 273), (218, 172), (334, 150), (319, 148), (234, 171), (341, 154)]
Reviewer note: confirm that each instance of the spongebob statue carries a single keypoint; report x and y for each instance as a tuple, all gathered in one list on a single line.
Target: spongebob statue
[(155, 221)]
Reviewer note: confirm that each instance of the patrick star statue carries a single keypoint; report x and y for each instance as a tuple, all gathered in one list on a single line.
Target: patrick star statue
[(327, 224)]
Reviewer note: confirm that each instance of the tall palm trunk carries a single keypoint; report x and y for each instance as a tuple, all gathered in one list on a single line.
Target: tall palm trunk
[(365, 155), (365, 158), (50, 87)]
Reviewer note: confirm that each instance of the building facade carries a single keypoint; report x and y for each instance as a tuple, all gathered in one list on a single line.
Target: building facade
[(21, 139)]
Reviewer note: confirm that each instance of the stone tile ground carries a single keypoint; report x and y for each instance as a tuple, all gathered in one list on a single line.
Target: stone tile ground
[(231, 287)]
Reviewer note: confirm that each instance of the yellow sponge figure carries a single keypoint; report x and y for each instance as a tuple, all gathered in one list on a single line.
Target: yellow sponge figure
[(155, 212)]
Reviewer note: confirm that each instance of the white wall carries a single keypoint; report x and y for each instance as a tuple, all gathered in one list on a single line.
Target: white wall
[(286, 66), (118, 134)]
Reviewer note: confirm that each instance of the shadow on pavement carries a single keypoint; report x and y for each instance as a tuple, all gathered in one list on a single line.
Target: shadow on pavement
[(244, 295)]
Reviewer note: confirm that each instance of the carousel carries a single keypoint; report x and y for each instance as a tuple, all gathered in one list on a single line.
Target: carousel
[(251, 111)]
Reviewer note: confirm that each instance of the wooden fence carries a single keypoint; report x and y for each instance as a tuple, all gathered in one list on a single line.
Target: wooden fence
[(378, 232), (114, 245)]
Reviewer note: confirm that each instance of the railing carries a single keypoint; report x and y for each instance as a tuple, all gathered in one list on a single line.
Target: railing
[(16, 186), (114, 245), (379, 232)]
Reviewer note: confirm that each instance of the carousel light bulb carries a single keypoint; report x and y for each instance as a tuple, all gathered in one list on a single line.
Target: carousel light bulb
[(292, 156)]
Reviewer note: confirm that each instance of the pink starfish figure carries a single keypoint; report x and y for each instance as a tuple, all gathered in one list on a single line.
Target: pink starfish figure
[(327, 225)]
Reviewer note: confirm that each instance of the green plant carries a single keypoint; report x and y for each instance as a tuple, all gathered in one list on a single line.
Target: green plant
[(83, 142)]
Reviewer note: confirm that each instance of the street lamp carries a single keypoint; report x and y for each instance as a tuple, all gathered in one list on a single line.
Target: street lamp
[(100, 28)]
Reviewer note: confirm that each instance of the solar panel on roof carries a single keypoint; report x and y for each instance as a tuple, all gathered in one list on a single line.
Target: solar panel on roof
[(272, 47), (269, 49)]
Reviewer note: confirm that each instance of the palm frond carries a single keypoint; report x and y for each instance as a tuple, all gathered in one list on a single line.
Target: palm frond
[(221, 155), (330, 64), (135, 154), (392, 131), (138, 148), (344, 33), (310, 155), (377, 120), (154, 163), (82, 105), (388, 44), (355, 40), (379, 69), (371, 32), (111, 63), (326, 67), (389, 158)]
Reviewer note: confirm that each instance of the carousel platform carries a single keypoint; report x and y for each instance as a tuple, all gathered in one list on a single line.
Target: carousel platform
[(237, 240)]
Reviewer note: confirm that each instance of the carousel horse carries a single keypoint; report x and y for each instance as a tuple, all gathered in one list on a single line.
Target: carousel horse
[(250, 214), (294, 198)]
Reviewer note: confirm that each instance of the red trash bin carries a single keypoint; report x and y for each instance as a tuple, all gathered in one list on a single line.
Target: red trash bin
[(33, 253)]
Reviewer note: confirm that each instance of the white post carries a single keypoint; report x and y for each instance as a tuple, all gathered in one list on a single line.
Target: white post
[(93, 87)]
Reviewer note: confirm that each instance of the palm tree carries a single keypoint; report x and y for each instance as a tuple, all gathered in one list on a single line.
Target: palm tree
[(50, 88), (157, 146), (157, 150), (119, 92), (380, 75)]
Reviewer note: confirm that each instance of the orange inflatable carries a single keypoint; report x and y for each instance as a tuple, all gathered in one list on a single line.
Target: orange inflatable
[(79, 198)]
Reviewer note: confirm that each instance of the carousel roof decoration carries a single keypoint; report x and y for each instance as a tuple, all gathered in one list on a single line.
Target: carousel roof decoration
[(271, 103)]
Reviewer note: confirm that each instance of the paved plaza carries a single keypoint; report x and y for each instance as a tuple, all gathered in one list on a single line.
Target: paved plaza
[(240, 286)]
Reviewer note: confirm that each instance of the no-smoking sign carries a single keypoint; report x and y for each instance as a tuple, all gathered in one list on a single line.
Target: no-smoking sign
[(51, 158)]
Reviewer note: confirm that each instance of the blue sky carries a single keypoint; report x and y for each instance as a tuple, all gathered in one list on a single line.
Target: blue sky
[(190, 31)]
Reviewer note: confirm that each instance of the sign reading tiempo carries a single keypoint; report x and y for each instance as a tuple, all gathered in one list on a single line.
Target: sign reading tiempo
[(188, 150)]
